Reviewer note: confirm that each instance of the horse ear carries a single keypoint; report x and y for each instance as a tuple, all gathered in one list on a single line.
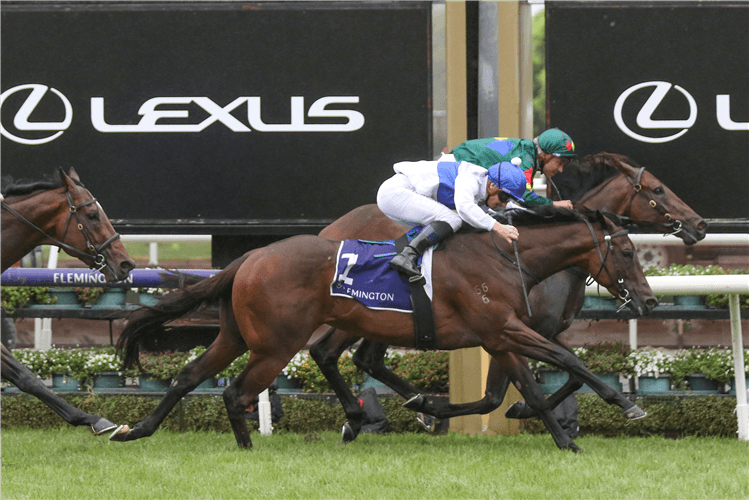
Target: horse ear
[(66, 180), (73, 174)]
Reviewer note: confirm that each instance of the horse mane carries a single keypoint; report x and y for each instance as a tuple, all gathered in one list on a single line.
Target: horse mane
[(581, 176), (24, 186)]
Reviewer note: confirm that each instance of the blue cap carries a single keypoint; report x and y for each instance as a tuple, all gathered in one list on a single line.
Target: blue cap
[(509, 178)]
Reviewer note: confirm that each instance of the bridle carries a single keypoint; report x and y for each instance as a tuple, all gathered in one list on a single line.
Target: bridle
[(623, 292), (675, 225), (100, 262)]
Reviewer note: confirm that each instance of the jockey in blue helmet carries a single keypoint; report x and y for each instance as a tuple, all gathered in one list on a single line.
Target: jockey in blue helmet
[(426, 193)]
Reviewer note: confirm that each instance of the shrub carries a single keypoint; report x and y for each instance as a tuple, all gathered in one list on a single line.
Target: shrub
[(606, 358), (304, 369), (87, 296), (163, 365), (428, 371), (18, 296)]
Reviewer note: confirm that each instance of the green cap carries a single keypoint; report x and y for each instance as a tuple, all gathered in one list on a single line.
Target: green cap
[(556, 142)]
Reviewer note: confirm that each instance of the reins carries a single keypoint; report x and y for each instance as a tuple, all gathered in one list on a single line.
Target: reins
[(96, 255)]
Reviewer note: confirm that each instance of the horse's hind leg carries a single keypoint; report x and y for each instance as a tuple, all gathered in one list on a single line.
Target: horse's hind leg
[(20, 376), (226, 348), (326, 352), (259, 373)]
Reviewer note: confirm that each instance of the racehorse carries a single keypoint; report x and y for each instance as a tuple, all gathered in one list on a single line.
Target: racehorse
[(59, 212), (273, 299), (605, 181)]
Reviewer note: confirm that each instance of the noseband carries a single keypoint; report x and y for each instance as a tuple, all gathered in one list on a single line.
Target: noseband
[(100, 262), (623, 292)]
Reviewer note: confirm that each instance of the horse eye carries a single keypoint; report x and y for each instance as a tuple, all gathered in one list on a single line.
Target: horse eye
[(627, 253), (658, 190), (93, 216)]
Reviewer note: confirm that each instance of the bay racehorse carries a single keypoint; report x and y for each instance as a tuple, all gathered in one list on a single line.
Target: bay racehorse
[(61, 212), (605, 181), (273, 299)]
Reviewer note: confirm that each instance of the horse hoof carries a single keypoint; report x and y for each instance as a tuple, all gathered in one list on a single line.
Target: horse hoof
[(634, 413), (427, 421), (347, 433), (518, 409), (101, 426), (119, 433), (415, 403)]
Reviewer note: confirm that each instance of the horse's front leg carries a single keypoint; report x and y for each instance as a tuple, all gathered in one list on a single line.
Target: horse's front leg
[(326, 352), (518, 338), (20, 376), (519, 372)]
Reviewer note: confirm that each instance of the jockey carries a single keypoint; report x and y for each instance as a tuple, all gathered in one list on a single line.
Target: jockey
[(549, 152), (426, 192)]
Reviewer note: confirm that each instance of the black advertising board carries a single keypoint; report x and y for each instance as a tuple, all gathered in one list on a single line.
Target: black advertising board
[(217, 115), (665, 83)]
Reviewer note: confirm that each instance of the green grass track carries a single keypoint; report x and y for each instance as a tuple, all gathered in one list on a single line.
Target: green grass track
[(67, 463)]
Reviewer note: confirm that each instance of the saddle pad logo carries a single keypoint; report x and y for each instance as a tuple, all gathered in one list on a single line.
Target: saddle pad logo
[(363, 273)]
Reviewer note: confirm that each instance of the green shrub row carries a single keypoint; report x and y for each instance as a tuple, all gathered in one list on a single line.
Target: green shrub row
[(667, 416), (672, 416)]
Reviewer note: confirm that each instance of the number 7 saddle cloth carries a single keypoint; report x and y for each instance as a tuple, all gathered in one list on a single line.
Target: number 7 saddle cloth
[(363, 273)]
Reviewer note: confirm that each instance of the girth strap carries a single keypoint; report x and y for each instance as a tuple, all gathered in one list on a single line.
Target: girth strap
[(423, 314)]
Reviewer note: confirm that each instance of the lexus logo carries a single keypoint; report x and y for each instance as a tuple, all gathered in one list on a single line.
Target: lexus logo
[(21, 120), (645, 116), (152, 113), (645, 119)]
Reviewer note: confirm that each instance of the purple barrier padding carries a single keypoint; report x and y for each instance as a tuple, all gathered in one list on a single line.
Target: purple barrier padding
[(138, 278)]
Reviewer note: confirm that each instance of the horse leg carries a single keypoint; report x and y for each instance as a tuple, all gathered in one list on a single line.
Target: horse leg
[(519, 339), (260, 372), (20, 376), (326, 352), (519, 372), (228, 346)]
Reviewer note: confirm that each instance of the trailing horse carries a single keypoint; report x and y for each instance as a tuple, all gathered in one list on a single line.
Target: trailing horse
[(62, 213), (273, 299)]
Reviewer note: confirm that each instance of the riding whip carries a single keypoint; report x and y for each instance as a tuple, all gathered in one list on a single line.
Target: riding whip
[(522, 280)]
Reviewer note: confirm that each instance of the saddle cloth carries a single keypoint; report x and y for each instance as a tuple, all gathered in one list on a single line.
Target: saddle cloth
[(363, 273)]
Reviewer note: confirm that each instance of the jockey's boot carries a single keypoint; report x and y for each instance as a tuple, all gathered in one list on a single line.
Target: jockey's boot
[(433, 233)]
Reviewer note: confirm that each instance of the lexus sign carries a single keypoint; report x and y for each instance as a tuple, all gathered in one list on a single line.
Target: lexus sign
[(217, 117), (665, 84)]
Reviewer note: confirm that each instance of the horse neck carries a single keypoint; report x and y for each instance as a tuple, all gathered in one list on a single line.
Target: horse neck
[(546, 250), (43, 209), (611, 196)]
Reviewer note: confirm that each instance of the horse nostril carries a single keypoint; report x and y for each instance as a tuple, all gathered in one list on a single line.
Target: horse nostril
[(651, 303), (702, 225), (126, 266)]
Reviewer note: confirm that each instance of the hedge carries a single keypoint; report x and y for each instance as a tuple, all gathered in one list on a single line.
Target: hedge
[(669, 416)]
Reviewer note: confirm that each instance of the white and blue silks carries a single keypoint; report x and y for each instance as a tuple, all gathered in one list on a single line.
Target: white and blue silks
[(425, 191)]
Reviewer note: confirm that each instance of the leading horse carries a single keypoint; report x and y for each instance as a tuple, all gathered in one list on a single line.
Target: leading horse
[(64, 213), (605, 181), (273, 299)]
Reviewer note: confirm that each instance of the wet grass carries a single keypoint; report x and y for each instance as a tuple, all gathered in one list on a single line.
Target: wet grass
[(68, 463)]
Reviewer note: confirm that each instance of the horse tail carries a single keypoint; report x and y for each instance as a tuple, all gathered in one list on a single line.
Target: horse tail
[(148, 321)]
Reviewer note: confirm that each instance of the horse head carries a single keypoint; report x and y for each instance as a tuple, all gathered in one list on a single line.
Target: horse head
[(613, 263), (92, 239), (642, 197)]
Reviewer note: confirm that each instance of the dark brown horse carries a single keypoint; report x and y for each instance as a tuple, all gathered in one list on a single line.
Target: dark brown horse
[(273, 299), (605, 181), (59, 212)]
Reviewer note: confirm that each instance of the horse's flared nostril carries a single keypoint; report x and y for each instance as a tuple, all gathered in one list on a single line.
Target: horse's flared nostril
[(126, 266), (651, 303)]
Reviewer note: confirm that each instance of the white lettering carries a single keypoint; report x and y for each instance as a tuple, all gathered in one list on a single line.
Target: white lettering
[(723, 111), (150, 115)]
